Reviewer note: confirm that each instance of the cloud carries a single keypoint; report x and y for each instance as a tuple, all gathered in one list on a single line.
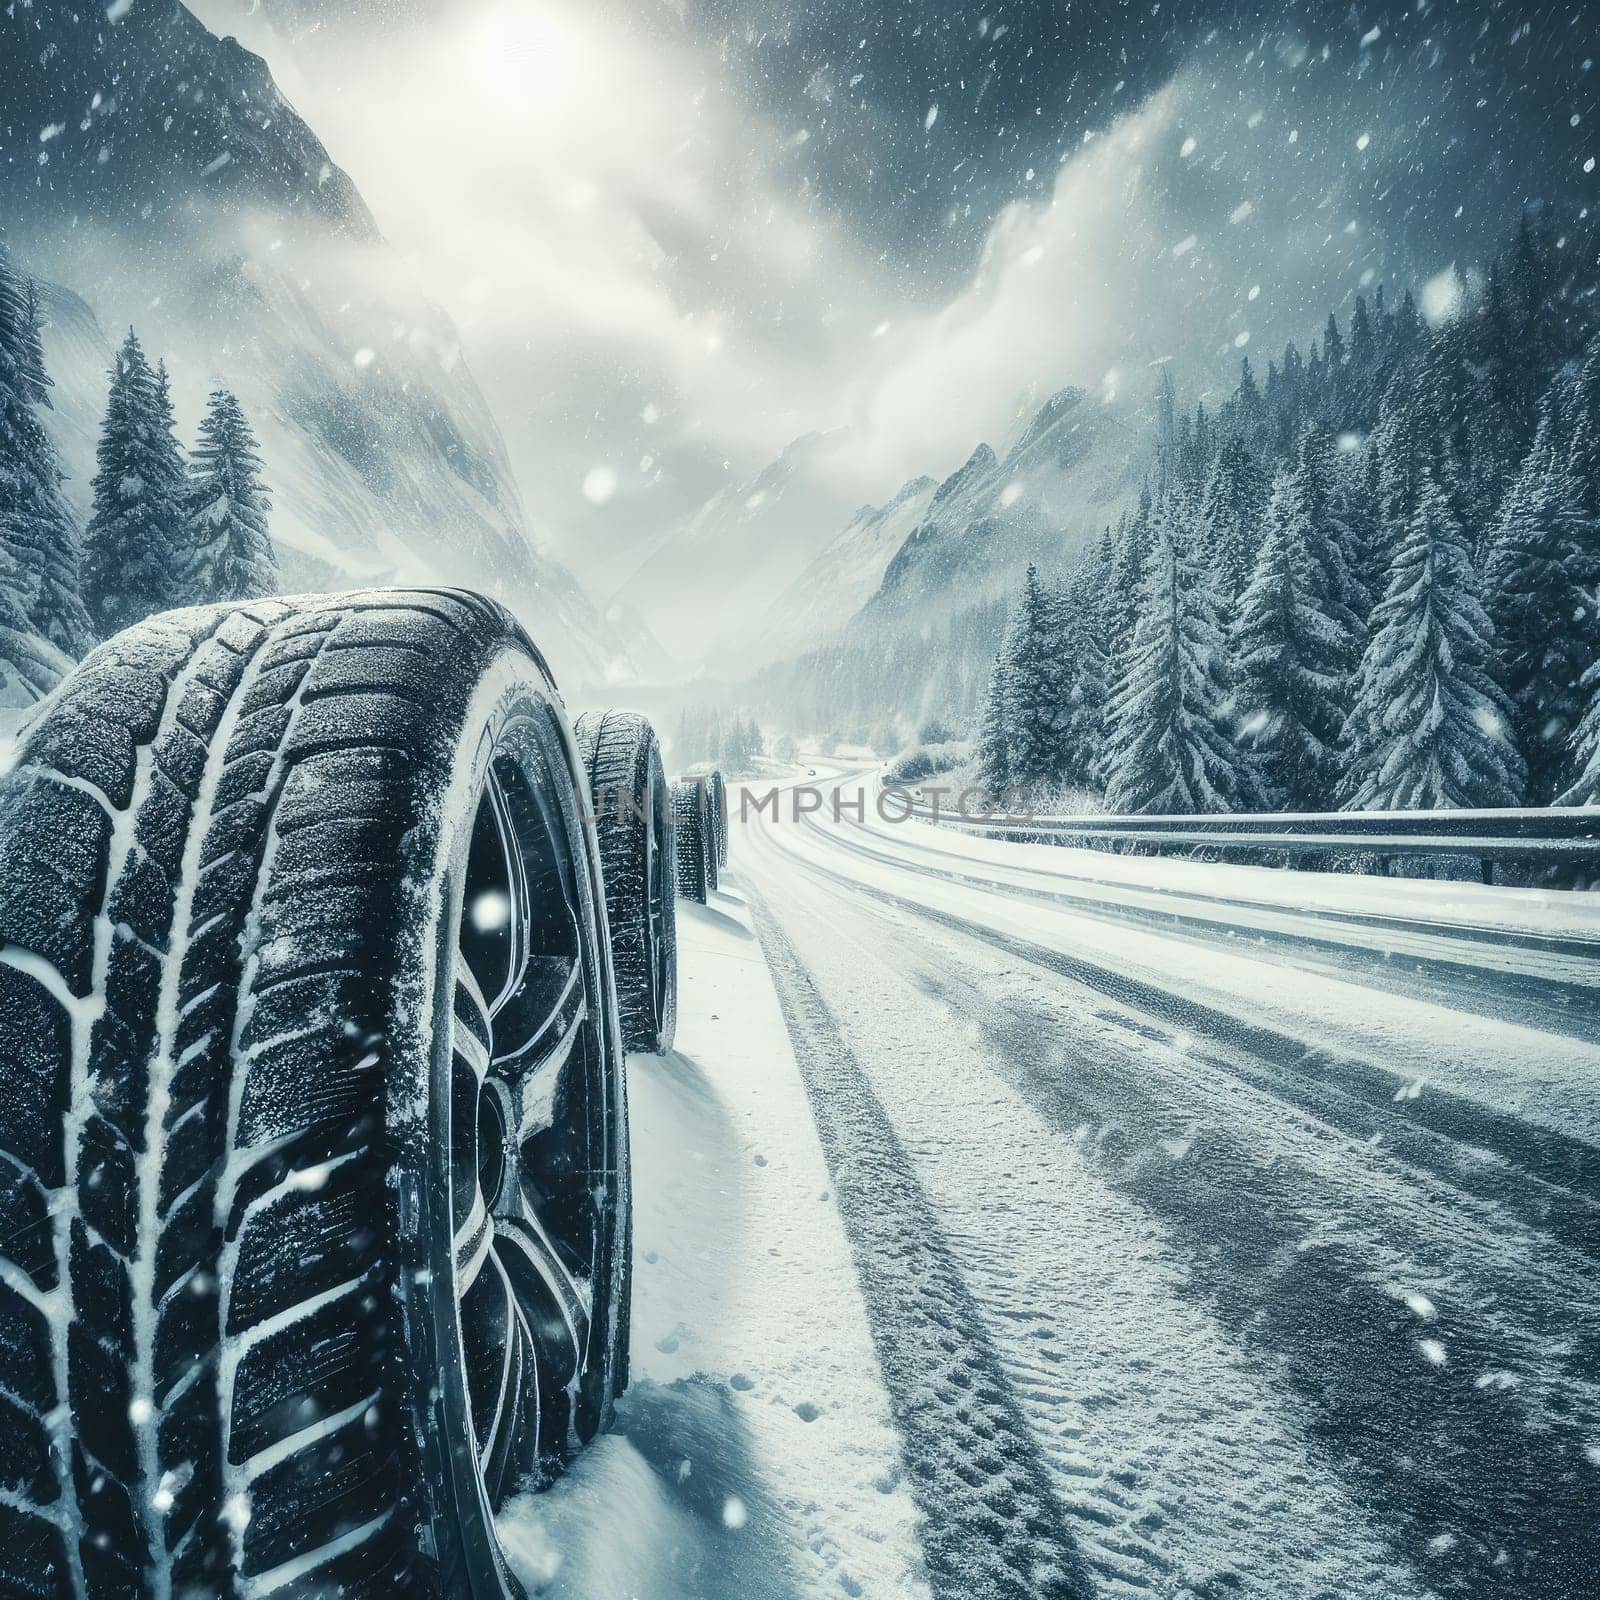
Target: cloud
[(613, 234), (654, 297)]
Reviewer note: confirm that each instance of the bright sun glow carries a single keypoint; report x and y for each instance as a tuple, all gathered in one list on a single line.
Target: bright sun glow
[(523, 55)]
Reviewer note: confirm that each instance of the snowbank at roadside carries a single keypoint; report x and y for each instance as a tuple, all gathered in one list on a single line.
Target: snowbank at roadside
[(753, 1455)]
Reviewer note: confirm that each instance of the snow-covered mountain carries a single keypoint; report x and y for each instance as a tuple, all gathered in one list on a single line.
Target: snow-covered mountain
[(152, 174), (931, 552), (1068, 473), (930, 576), (841, 580)]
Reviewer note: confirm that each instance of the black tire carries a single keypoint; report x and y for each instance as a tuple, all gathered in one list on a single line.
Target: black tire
[(690, 841), (708, 830), (299, 913), (719, 810), (630, 803)]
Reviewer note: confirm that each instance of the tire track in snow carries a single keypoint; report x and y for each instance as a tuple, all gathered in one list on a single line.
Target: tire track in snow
[(1463, 978), (1483, 1452), (1479, 1480), (1186, 1472), (993, 1528)]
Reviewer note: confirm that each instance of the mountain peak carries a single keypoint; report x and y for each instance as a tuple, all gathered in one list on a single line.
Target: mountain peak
[(1061, 405), (153, 120), (977, 466)]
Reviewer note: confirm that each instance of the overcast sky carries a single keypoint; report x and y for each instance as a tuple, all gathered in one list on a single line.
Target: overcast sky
[(677, 235)]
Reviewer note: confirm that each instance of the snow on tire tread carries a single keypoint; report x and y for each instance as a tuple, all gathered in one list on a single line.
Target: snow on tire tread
[(194, 1309)]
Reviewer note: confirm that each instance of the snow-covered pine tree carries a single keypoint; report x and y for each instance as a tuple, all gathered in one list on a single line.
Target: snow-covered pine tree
[(1543, 609), (1199, 447), (133, 557), (1297, 640), (1583, 432), (1083, 658), (735, 751), (233, 557), (38, 533), (1404, 338), (1170, 744), (994, 731), (1353, 494), (59, 613), (31, 347), (1036, 688), (20, 558), (1168, 446), (1585, 748), (1333, 349), (1230, 516), (1359, 401), (1404, 452), (1131, 553), (1429, 727)]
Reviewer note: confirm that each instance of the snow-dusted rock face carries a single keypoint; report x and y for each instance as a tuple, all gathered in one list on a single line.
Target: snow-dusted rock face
[(901, 614), (843, 578), (159, 178), (924, 563), (1069, 472)]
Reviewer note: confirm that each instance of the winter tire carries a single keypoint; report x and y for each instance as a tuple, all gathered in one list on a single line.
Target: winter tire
[(628, 790), (315, 1232), (691, 842), (708, 829), (719, 811)]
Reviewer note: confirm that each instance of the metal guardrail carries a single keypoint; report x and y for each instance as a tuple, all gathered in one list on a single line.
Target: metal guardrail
[(1563, 836)]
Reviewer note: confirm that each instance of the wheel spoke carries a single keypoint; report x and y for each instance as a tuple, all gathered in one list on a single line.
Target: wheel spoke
[(531, 1024), (527, 1230), (493, 1326), (518, 1392), (522, 1239), (535, 1071), (494, 926), (474, 1035), (517, 892)]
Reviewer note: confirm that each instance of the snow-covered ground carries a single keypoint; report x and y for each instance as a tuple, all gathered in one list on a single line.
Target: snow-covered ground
[(1006, 1235), (754, 1457)]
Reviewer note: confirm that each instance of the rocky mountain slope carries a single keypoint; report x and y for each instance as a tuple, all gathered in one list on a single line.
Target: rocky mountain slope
[(1068, 473), (153, 175), (919, 640), (842, 579)]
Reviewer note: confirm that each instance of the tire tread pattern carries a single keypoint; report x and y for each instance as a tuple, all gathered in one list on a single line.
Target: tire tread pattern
[(622, 762), (195, 1227), (692, 852)]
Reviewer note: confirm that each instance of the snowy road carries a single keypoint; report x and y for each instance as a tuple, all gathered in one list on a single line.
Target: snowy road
[(1280, 1250), (1035, 1223)]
